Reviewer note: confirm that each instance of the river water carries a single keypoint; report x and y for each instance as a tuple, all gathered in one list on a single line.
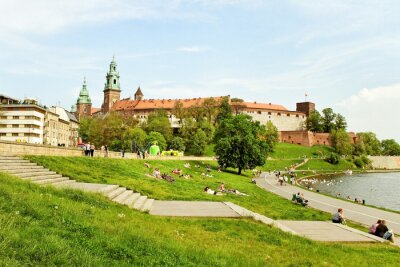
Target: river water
[(378, 189)]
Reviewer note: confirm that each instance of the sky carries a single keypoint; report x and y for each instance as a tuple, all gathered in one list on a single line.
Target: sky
[(342, 54)]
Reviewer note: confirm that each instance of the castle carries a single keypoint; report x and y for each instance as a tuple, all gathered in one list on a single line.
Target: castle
[(290, 123)]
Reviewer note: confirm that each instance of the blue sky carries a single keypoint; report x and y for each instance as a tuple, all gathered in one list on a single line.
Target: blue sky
[(344, 54)]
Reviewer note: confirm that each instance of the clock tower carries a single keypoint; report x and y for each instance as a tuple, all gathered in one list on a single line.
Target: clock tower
[(112, 89)]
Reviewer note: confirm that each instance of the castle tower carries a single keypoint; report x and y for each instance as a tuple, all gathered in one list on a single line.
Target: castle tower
[(83, 103), (112, 89), (305, 107), (138, 95)]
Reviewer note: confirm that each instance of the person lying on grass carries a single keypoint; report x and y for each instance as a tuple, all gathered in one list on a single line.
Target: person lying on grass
[(212, 192), (231, 191), (177, 171)]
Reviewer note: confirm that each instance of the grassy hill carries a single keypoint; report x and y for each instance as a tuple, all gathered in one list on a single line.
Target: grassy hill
[(134, 175), (292, 151), (42, 226)]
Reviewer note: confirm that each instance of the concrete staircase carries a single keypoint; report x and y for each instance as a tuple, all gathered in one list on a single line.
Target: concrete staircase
[(29, 171)]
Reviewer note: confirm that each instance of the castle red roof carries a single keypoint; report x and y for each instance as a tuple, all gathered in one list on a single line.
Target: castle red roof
[(255, 105), (94, 110), (129, 104)]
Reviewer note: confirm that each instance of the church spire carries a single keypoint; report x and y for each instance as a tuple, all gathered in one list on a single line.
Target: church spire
[(112, 77), (84, 94)]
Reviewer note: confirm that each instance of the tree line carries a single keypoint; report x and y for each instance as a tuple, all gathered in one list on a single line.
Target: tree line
[(366, 143)]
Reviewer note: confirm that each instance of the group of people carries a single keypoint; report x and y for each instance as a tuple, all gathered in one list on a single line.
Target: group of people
[(379, 228), (89, 149)]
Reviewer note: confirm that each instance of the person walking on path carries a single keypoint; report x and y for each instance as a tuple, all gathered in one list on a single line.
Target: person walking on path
[(87, 151), (338, 217), (92, 147), (106, 150)]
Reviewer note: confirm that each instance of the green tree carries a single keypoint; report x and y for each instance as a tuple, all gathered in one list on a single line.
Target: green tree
[(314, 122), (328, 120), (270, 135), (390, 147), (199, 143), (224, 111), (359, 148), (84, 128), (177, 143), (208, 129), (238, 144), (371, 143), (210, 109), (158, 122), (179, 111), (340, 122), (136, 137), (156, 137), (341, 141)]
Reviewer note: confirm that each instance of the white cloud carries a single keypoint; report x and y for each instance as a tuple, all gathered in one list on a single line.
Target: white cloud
[(374, 110)]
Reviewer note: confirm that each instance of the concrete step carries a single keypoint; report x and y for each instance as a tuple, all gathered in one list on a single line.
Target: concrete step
[(147, 205), (121, 198), (18, 164), (6, 161), (109, 189), (116, 192), (43, 177), (8, 157), (63, 183), (33, 174), (22, 171), (139, 202), (50, 181), (16, 167), (131, 199)]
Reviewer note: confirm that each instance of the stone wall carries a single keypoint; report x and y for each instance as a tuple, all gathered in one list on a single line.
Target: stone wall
[(283, 120), (22, 149), (385, 162)]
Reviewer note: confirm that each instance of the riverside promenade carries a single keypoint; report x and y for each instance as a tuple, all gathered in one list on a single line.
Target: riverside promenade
[(354, 212)]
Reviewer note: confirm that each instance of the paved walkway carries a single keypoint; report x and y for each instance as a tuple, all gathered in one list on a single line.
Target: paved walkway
[(192, 209), (354, 212), (328, 232)]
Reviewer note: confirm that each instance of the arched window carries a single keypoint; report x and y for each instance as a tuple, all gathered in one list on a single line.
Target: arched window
[(85, 110)]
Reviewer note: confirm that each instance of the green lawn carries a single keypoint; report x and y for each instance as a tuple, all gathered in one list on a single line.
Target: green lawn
[(132, 174), (292, 151), (42, 226)]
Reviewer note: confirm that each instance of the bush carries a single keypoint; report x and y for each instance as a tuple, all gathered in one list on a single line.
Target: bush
[(362, 161), (156, 137), (333, 158), (177, 143)]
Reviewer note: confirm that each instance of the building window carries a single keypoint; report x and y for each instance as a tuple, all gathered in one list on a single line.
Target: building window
[(115, 81), (297, 115), (15, 117), (288, 115), (259, 112), (279, 114), (269, 113), (15, 134), (85, 110)]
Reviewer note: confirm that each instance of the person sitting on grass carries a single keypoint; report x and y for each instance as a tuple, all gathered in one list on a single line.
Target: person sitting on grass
[(301, 200), (372, 229), (338, 217), (209, 191), (222, 187), (187, 165), (383, 231), (157, 173)]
